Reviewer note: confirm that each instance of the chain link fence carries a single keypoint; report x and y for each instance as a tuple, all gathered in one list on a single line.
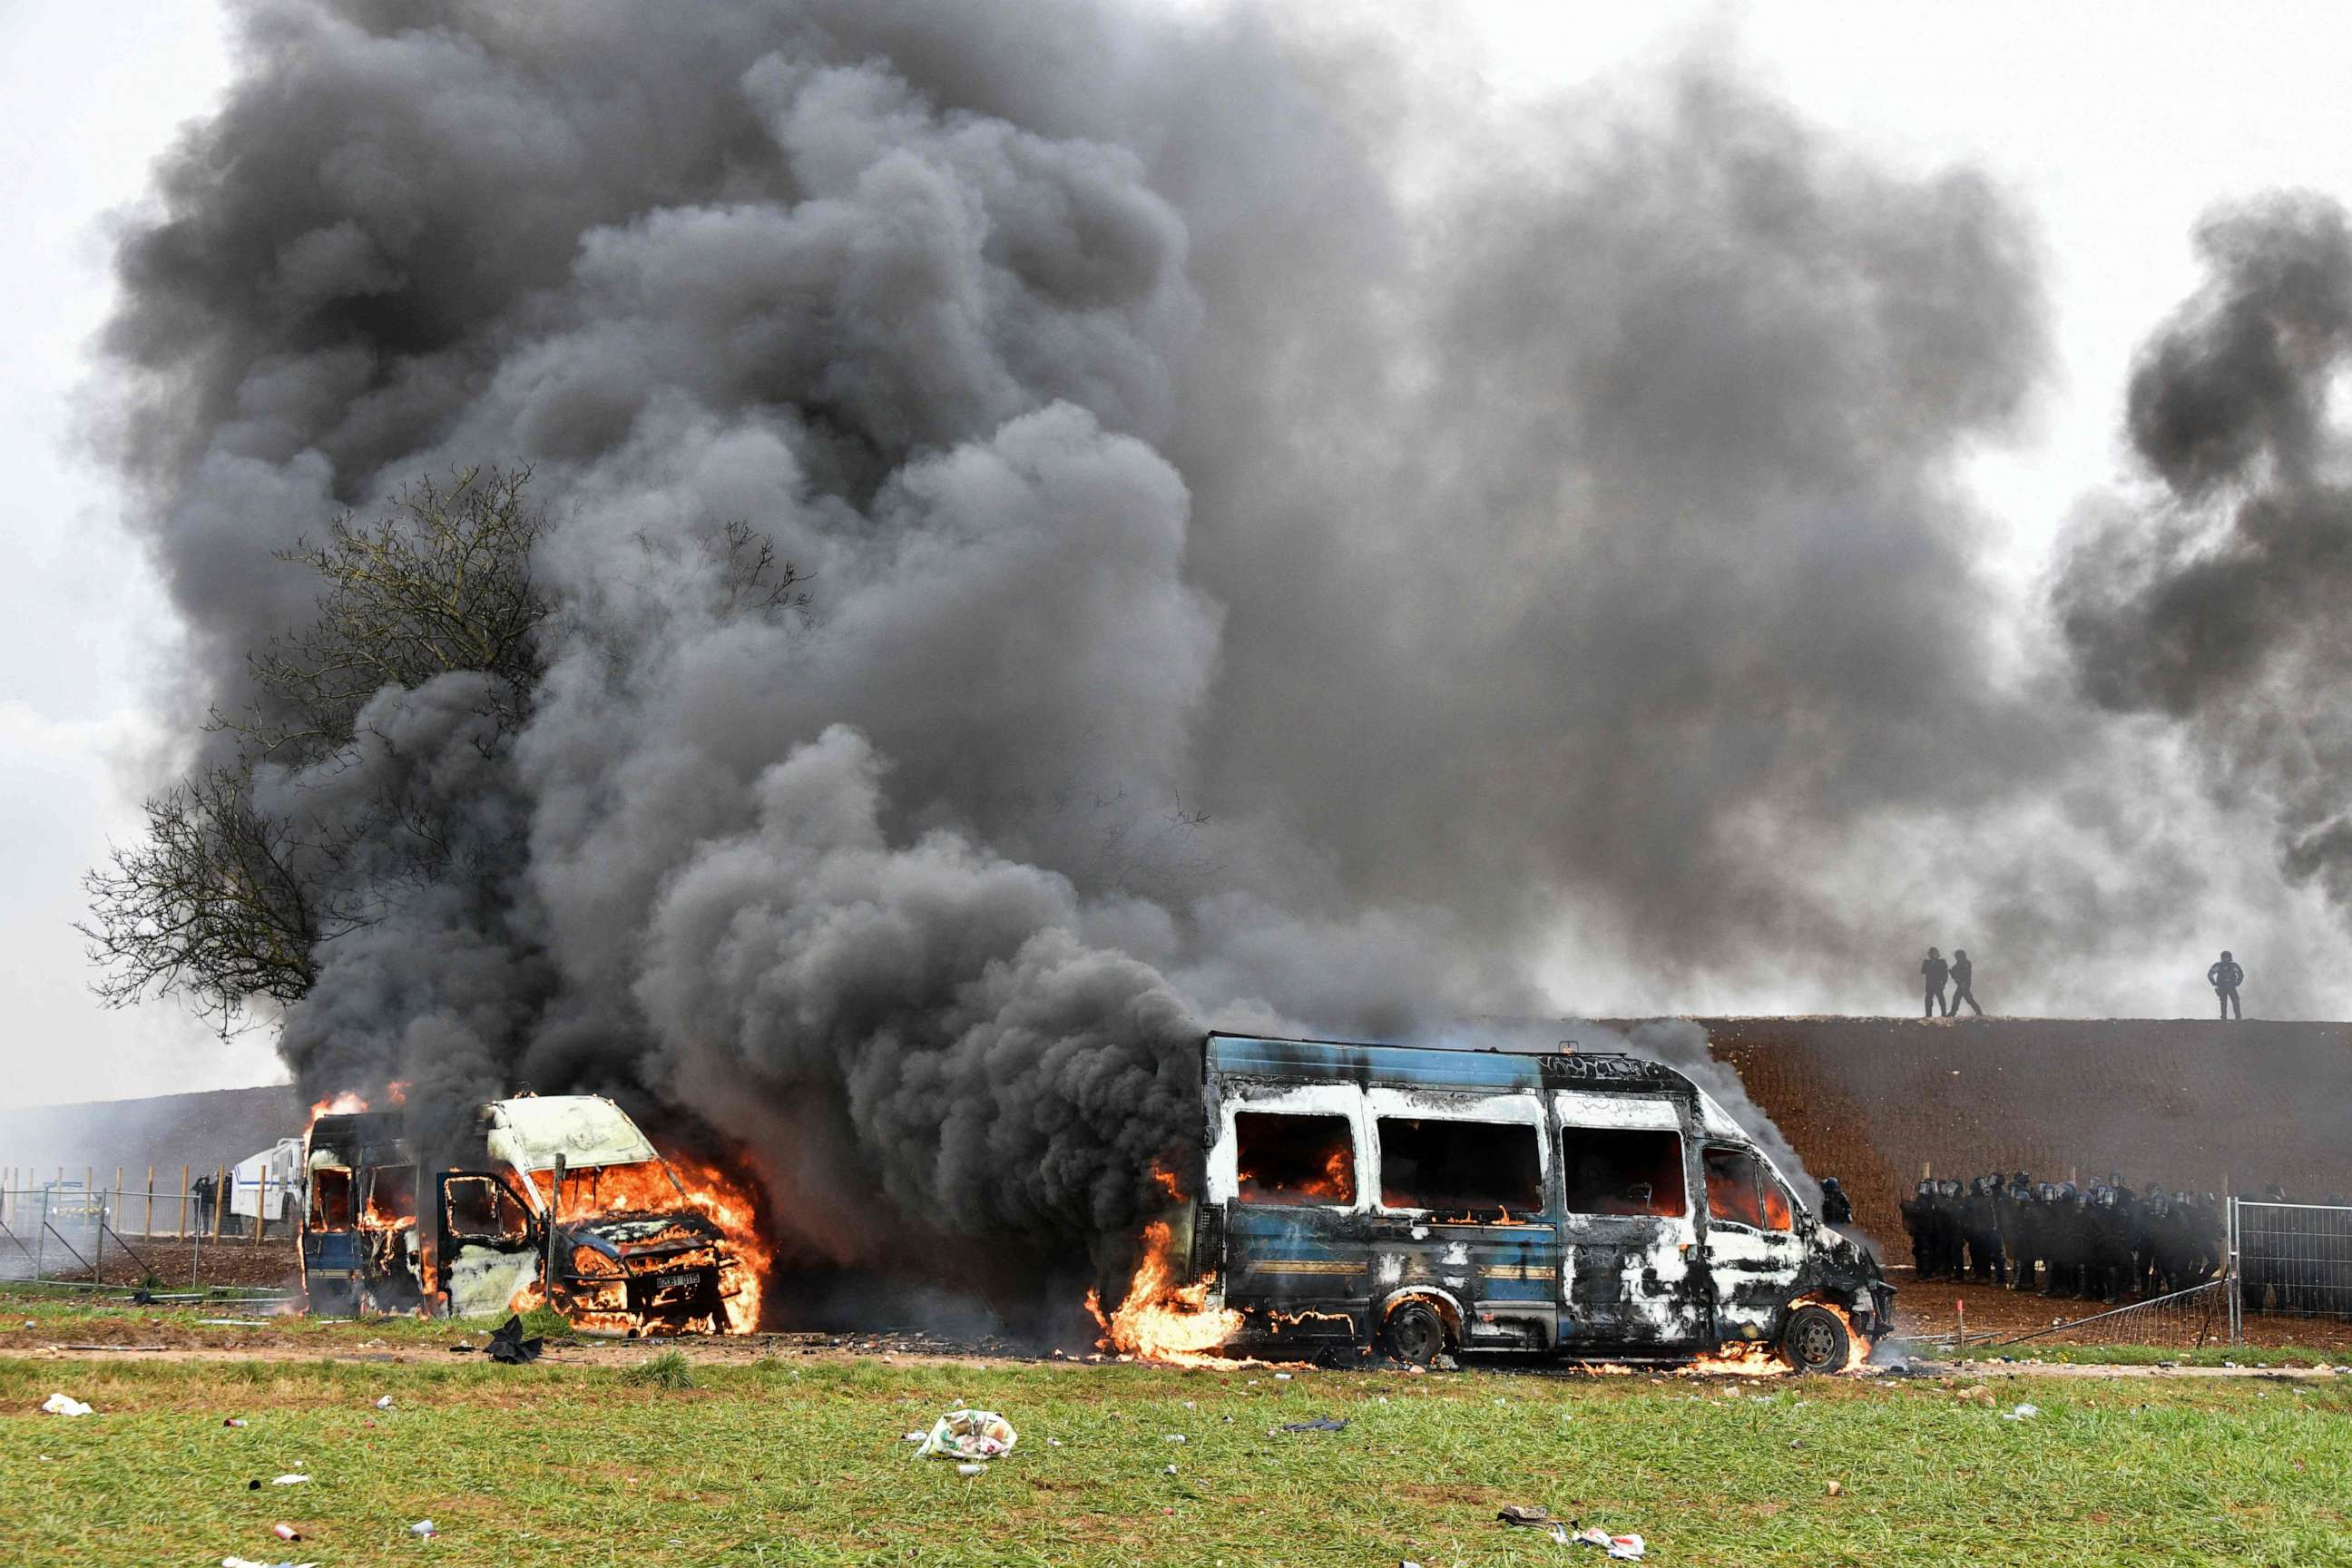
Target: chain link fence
[(2292, 1260), (62, 1230)]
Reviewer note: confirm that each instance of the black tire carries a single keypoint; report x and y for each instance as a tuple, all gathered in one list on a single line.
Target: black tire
[(1816, 1340), (1414, 1333)]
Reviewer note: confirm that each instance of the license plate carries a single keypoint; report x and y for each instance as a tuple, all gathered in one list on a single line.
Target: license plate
[(673, 1281)]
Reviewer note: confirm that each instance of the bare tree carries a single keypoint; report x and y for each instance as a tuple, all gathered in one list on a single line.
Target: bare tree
[(441, 582), (226, 902)]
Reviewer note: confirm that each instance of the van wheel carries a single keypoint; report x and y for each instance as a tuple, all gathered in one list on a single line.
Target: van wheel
[(1815, 1341), (1415, 1333)]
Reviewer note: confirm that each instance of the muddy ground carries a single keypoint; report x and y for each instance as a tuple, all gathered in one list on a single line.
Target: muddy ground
[(1937, 1308)]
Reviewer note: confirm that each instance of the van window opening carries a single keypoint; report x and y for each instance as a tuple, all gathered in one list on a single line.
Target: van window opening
[(1736, 1191), (1282, 1159), (1460, 1167), (483, 1208), (390, 1194), (1623, 1171), (330, 1198)]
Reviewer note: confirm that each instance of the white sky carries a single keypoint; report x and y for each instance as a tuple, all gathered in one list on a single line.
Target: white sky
[(2115, 126)]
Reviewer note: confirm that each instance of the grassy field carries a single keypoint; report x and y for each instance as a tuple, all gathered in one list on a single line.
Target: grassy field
[(800, 1461)]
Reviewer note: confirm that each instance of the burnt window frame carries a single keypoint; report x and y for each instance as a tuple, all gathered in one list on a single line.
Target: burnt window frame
[(1764, 1175), (497, 1180), (314, 1218), (1350, 1115), (1681, 1166), (1542, 1208)]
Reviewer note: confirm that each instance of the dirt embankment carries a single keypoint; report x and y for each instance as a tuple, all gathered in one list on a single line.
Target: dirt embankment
[(2197, 1105)]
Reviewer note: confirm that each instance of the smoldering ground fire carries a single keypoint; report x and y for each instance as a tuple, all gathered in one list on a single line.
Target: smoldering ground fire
[(1241, 584)]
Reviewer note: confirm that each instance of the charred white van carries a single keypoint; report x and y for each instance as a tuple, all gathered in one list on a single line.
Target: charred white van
[(1428, 1200), (570, 1203)]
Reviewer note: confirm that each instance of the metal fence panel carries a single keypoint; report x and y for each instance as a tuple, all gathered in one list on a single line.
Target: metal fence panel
[(63, 1232), (2292, 1260)]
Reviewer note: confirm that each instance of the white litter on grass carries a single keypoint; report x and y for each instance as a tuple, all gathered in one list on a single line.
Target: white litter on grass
[(289, 1481), (64, 1404), (1050, 1442), (423, 1529), (384, 1404), (2022, 1413), (1282, 1377), (1168, 1471), (973, 1469), (1174, 1437)]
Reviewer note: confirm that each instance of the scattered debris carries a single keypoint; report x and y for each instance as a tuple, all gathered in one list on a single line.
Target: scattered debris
[(1174, 1437), (285, 1532), (969, 1434), (1168, 1471), (1527, 1513), (1979, 1394), (1626, 1548), (1322, 1423), (233, 1421), (510, 1346), (1282, 1377), (1050, 1442), (423, 1529), (384, 1404), (2022, 1413), (1836, 1489), (64, 1404), (290, 1479), (971, 1468)]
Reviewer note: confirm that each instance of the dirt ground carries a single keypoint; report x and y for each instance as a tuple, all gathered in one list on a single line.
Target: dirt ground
[(1936, 1308), (178, 1264)]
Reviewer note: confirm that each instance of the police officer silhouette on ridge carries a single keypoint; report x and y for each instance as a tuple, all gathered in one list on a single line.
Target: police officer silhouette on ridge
[(1935, 972), (2225, 977)]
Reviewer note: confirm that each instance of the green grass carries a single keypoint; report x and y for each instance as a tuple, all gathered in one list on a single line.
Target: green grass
[(669, 1369), (801, 1460), (59, 1316)]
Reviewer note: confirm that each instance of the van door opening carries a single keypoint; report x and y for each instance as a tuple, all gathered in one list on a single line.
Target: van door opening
[(491, 1245), (1626, 1227), (1753, 1249), (1469, 1192)]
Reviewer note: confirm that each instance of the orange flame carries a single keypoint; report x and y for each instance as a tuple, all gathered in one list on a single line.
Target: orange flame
[(1758, 1360), (598, 1192), (344, 1104), (1161, 1321)]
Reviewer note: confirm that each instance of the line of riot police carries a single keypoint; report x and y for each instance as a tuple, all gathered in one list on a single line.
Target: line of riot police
[(2103, 1241)]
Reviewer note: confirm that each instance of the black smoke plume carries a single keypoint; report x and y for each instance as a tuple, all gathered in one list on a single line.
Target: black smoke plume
[(2218, 604), (1278, 554)]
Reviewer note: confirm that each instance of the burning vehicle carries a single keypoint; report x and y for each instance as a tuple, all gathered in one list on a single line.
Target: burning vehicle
[(1427, 1202), (572, 1206)]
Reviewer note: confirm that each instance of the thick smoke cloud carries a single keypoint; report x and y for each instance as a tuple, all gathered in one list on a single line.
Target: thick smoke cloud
[(2218, 602), (1279, 554)]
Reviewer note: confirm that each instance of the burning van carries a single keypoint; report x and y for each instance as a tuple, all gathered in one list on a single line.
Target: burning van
[(1437, 1201), (571, 1205)]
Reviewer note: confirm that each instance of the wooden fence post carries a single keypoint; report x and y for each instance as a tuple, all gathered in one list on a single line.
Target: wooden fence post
[(220, 1203), (148, 1228)]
